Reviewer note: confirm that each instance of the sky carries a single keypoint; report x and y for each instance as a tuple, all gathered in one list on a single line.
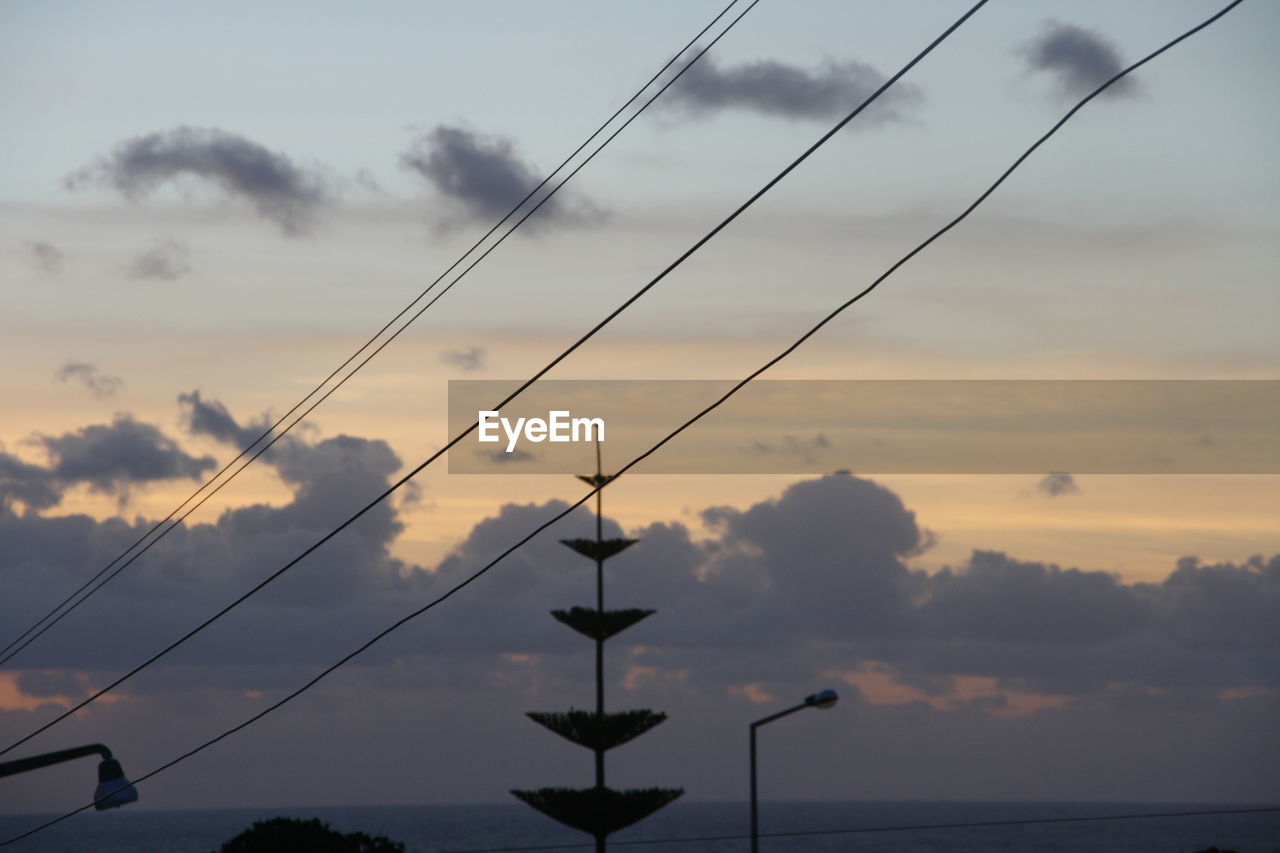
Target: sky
[(206, 208)]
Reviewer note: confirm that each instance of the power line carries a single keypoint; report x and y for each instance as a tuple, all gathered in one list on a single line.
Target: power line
[(27, 637), (719, 401), (513, 395), (866, 830), (830, 316)]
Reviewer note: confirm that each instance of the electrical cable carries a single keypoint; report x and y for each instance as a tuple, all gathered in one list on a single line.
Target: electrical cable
[(865, 830), (27, 637), (719, 401), (514, 394)]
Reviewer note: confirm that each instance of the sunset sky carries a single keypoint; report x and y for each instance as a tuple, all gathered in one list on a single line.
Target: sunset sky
[(207, 207)]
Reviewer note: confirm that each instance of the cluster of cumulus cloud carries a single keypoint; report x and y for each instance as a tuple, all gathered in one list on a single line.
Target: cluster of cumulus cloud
[(814, 581), (480, 177)]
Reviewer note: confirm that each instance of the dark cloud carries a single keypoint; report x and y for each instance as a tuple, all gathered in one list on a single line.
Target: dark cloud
[(199, 562), (166, 260), (1222, 607), (195, 565), (777, 89), (328, 477), (838, 532), (111, 457), (484, 177), (784, 592), (279, 190), (1002, 600), (332, 475), (788, 594), (1080, 59), (816, 580), (213, 420), (1057, 484), (785, 595), (47, 257), (99, 384), (469, 359), (31, 485)]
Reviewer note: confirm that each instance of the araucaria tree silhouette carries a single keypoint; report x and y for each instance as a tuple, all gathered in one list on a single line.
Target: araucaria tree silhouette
[(599, 810)]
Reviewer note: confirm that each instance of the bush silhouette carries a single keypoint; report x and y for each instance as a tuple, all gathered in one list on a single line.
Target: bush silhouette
[(288, 835)]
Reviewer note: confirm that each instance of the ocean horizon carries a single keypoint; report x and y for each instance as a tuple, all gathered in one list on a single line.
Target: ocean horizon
[(695, 827)]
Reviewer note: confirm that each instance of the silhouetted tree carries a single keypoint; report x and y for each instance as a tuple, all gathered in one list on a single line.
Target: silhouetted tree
[(289, 835), (599, 810)]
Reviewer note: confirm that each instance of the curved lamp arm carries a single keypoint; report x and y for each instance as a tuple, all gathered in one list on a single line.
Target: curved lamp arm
[(822, 699), (113, 790)]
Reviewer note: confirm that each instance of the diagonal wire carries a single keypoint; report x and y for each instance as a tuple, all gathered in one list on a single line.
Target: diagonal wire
[(865, 830), (719, 401), (177, 516), (542, 372)]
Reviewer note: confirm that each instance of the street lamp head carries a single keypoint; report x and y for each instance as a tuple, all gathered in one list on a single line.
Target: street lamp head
[(823, 699), (113, 790)]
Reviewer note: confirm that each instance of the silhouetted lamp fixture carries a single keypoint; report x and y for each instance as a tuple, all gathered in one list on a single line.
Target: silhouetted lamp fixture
[(113, 790), (822, 699)]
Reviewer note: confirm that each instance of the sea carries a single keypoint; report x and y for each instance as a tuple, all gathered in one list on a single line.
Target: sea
[(694, 827)]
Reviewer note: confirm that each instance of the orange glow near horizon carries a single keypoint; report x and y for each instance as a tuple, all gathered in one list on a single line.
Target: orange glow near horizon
[(877, 684), (12, 698)]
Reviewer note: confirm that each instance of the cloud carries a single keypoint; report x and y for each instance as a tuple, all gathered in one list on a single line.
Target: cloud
[(31, 485), (198, 562), (213, 420), (279, 190), (838, 532), (47, 257), (1057, 484), (776, 89), (998, 599), (999, 667), (111, 457), (483, 177), (166, 260), (469, 359), (817, 580), (811, 582), (328, 477), (780, 594), (99, 384), (1222, 607), (1080, 59)]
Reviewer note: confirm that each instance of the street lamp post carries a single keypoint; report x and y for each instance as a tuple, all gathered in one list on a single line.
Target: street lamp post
[(823, 699), (113, 790)]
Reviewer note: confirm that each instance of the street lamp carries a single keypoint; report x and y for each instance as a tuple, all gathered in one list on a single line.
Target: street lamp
[(113, 790), (823, 699)]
